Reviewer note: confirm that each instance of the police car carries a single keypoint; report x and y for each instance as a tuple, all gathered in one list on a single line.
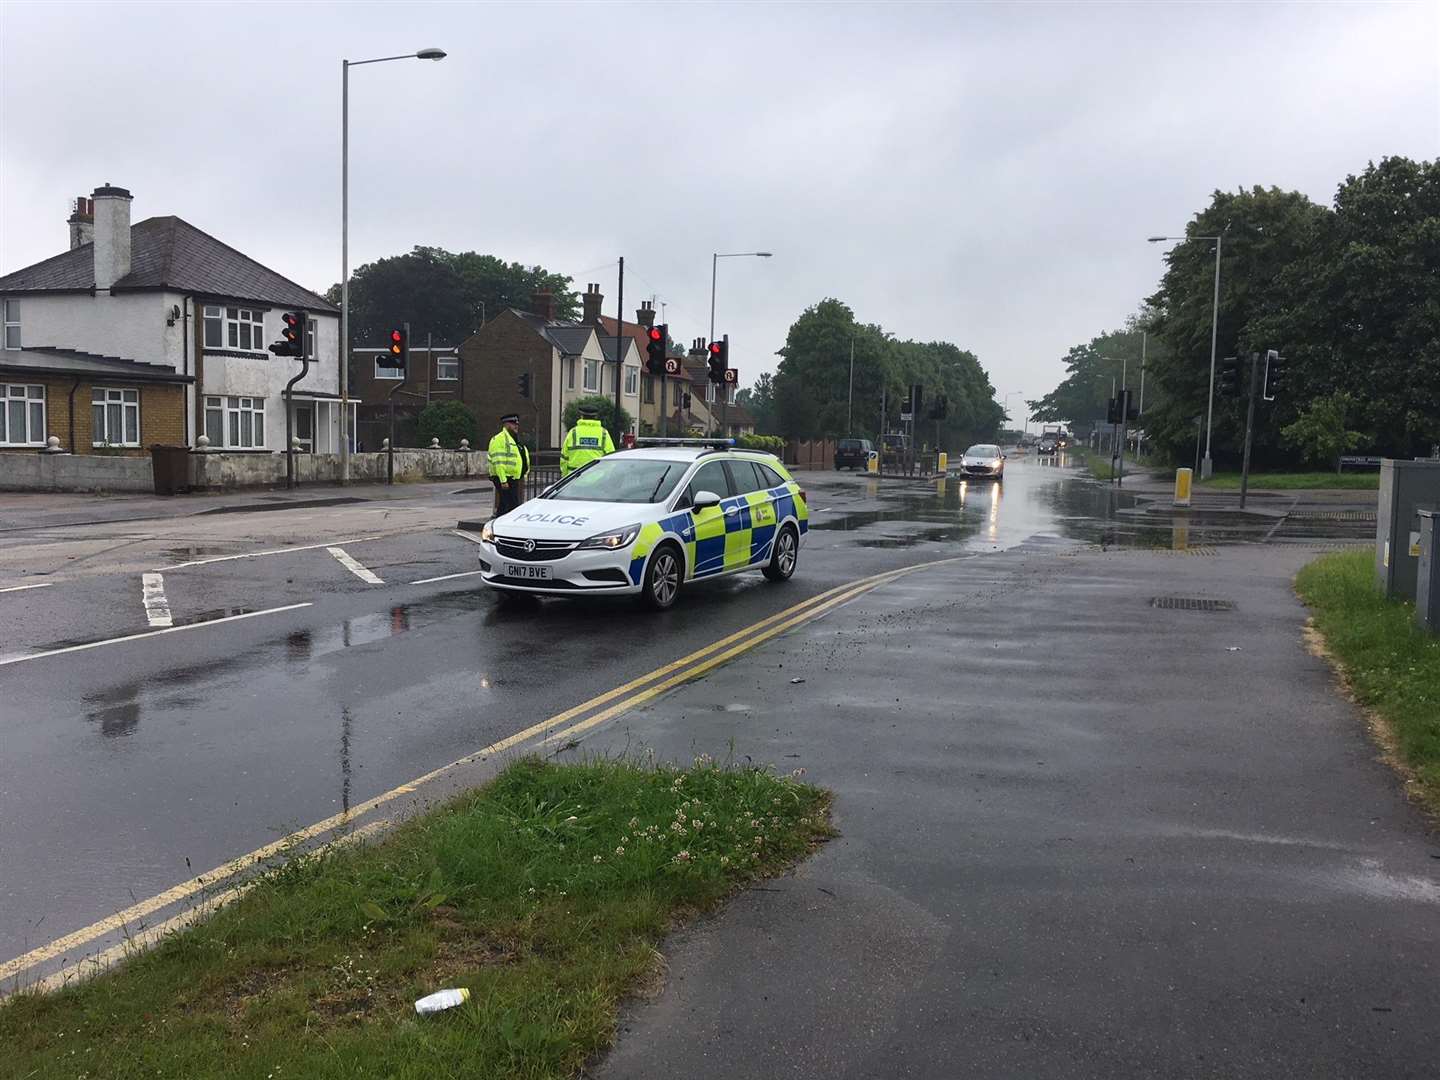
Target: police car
[(645, 521)]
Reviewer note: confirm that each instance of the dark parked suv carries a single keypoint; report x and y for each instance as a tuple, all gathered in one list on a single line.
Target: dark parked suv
[(852, 453)]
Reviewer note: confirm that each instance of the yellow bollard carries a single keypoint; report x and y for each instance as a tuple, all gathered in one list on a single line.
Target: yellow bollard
[(942, 461), (872, 463), (1182, 487)]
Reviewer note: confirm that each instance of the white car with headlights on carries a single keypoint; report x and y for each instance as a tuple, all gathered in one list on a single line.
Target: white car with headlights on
[(646, 521), (983, 461)]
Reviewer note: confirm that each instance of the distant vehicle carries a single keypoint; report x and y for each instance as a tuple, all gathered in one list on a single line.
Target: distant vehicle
[(852, 453), (1048, 444), (983, 461)]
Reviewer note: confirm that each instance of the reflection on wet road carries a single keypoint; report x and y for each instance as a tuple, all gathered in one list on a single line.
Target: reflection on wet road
[(1037, 497)]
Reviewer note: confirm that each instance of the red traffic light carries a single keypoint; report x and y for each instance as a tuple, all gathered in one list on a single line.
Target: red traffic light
[(655, 333), (714, 348), (397, 341)]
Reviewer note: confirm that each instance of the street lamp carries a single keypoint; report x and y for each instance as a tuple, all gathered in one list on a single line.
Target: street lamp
[(1006, 406), (1207, 466), (345, 66), (715, 258)]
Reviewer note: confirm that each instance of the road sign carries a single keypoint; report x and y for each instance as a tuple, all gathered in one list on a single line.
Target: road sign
[(672, 365), (907, 416), (732, 375)]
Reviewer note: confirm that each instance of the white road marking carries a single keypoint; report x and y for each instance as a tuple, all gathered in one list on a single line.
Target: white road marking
[(152, 592), (822, 510), (466, 536), (354, 567), (258, 554), (22, 588), (149, 633), (446, 577)]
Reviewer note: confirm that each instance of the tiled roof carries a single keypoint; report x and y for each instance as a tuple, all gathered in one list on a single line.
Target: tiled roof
[(607, 345), (45, 360), (166, 252), (569, 337)]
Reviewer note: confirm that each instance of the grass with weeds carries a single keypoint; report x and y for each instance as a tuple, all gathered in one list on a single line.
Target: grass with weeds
[(1295, 481), (1392, 666), (545, 893)]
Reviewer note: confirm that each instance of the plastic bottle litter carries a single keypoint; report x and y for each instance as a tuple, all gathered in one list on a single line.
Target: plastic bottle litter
[(441, 1000)]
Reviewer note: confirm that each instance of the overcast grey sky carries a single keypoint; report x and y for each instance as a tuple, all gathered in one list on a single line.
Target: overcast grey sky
[(982, 174)]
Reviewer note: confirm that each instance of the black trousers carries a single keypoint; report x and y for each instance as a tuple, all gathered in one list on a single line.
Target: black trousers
[(508, 496)]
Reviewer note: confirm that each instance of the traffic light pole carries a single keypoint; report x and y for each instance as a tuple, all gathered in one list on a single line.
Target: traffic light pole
[(619, 350), (404, 378), (1249, 428), (290, 415)]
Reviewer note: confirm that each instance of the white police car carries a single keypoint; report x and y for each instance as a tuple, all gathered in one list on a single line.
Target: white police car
[(645, 521)]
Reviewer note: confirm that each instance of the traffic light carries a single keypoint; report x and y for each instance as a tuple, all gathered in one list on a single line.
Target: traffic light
[(655, 349), (719, 359), (398, 355), (940, 408), (1112, 411), (524, 383), (914, 401), (292, 335), (1274, 374), (686, 402), (1230, 377)]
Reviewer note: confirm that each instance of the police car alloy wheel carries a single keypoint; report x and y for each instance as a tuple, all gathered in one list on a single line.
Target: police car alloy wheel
[(662, 579), (782, 563)]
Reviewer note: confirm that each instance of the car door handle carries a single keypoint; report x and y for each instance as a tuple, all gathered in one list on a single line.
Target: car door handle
[(732, 511)]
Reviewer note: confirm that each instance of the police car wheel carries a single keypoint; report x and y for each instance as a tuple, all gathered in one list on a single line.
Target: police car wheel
[(662, 578), (782, 560)]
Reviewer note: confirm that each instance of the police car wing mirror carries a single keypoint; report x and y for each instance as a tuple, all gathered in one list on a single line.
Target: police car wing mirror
[(704, 499)]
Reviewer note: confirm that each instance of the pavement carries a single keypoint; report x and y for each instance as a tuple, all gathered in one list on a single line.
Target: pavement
[(1081, 835)]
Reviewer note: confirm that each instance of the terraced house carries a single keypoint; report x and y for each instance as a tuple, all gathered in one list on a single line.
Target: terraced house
[(157, 332)]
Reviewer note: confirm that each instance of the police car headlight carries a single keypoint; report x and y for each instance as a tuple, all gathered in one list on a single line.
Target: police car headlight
[(613, 541), (487, 533)]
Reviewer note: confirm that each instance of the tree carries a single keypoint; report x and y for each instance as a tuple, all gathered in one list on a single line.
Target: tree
[(443, 294), (616, 422), (1108, 361), (1319, 431), (448, 421), (759, 401)]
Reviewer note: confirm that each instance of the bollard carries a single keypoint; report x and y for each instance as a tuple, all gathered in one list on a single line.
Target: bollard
[(1427, 574), (942, 461), (872, 463), (1182, 487)]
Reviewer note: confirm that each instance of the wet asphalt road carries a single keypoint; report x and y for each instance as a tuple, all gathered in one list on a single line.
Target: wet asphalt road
[(131, 766)]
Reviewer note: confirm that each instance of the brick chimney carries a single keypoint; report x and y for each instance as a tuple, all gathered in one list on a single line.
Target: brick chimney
[(112, 234), (591, 301), (81, 222), (544, 304), (645, 314)]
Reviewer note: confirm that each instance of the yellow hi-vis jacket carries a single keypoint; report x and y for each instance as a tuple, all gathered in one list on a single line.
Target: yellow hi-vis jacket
[(587, 441), (508, 460)]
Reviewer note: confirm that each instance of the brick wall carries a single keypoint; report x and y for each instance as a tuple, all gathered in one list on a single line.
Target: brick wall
[(162, 413), (493, 360)]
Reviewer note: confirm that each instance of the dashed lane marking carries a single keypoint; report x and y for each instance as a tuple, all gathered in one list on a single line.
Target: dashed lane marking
[(363, 573), (446, 577), (259, 554), (22, 588), (150, 633), (152, 593)]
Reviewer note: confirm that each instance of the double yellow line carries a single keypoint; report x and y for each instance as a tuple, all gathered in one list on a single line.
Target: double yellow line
[(554, 731)]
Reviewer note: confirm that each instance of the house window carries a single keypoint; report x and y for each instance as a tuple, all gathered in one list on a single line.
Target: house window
[(649, 397), (447, 368), (570, 374), (679, 393), (12, 324), (115, 417), (235, 423), (387, 372), (310, 339), (710, 392), (632, 380), (234, 328), (22, 415), (592, 375)]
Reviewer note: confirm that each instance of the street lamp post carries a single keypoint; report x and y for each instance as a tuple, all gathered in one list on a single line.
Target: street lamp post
[(715, 258), (345, 66), (1008, 396), (1207, 466)]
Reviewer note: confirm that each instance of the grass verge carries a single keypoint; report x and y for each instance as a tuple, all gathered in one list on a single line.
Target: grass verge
[(1295, 481), (545, 893), (1391, 666)]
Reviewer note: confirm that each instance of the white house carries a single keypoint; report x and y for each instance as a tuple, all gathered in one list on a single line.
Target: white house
[(163, 293)]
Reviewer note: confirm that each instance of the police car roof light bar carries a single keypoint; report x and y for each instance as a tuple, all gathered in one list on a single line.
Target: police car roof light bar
[(714, 444)]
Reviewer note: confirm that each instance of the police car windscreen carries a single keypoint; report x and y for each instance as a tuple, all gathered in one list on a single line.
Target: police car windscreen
[(621, 480)]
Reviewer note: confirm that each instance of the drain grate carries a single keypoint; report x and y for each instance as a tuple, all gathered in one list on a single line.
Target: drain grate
[(1191, 603), (1332, 515)]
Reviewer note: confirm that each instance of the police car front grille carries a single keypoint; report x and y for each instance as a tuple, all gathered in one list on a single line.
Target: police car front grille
[(545, 550)]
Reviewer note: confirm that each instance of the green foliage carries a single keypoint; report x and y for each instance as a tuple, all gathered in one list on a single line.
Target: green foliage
[(1295, 481), (1094, 368), (604, 406), (1391, 665), (448, 421), (759, 401), (544, 894), (812, 384), (771, 444), (1319, 431), (443, 293)]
